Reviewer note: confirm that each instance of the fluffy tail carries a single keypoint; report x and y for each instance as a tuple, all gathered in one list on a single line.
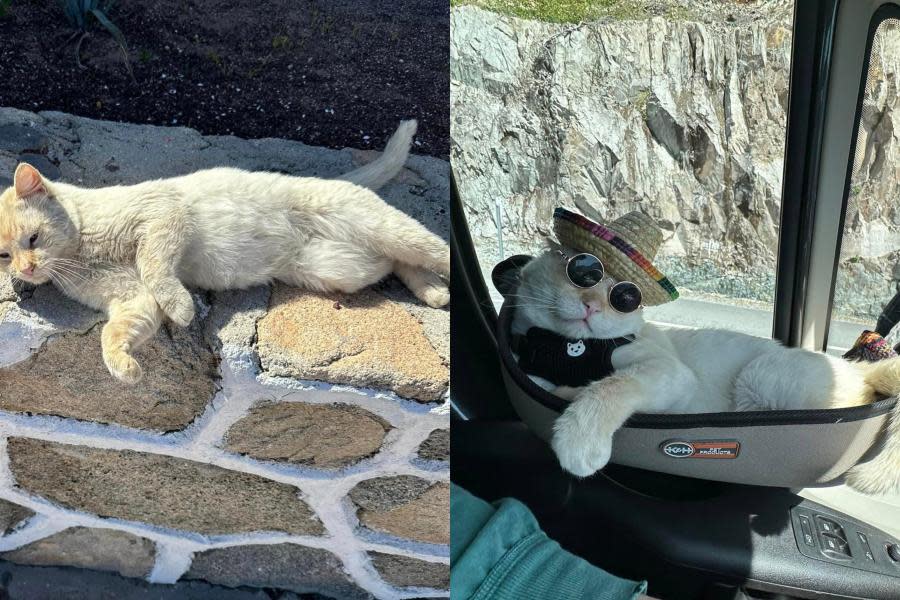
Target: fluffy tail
[(881, 474), (381, 170)]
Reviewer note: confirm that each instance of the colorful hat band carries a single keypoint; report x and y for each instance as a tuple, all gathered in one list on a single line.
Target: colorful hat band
[(620, 244)]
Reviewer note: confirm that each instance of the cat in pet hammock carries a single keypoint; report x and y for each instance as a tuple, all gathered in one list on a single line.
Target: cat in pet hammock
[(578, 330), (133, 251)]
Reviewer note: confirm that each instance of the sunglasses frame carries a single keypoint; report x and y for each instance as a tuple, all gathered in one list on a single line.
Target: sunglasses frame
[(568, 259)]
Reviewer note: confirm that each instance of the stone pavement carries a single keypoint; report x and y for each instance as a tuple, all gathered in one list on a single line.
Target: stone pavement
[(286, 441)]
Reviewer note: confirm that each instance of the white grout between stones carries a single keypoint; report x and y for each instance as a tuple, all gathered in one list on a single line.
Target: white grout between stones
[(242, 386)]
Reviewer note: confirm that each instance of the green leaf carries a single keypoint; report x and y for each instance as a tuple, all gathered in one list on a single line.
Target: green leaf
[(110, 26)]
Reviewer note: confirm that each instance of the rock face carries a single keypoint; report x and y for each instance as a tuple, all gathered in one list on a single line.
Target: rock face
[(67, 378), (100, 549), (683, 119), (405, 506), (162, 490), (276, 566), (363, 340), (324, 436)]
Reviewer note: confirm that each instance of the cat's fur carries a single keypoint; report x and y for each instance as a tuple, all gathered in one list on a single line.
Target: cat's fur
[(674, 370), (132, 251)]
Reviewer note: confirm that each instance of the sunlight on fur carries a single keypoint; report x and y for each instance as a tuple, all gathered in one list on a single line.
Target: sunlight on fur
[(688, 371), (132, 251)]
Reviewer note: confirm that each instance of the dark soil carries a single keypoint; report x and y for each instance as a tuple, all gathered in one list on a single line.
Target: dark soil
[(339, 73)]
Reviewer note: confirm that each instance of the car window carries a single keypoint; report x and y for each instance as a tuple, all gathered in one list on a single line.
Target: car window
[(676, 109), (868, 269)]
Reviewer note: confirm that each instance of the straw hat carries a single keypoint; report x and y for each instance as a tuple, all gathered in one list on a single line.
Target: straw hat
[(626, 246)]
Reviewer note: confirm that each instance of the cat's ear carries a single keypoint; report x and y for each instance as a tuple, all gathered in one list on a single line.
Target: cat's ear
[(28, 181), (506, 274)]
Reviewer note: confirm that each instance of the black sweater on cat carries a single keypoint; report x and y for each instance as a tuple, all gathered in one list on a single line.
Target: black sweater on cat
[(564, 361)]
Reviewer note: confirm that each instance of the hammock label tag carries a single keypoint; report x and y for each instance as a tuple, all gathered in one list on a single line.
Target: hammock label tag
[(701, 448)]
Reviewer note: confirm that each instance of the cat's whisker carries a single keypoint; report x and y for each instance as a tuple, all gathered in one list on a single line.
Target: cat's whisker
[(70, 277), (53, 265), (55, 278), (59, 279), (68, 280)]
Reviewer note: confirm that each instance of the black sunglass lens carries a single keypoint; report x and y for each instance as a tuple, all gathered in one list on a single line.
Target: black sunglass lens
[(585, 270), (625, 297)]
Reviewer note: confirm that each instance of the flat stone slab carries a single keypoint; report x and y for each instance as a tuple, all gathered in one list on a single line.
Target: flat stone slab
[(97, 153), (67, 378), (11, 515), (161, 490), (405, 571), (364, 339), (280, 566), (24, 582), (436, 446), (405, 506), (88, 548), (326, 436)]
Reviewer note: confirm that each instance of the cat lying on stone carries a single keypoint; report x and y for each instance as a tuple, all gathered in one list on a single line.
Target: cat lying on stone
[(132, 251)]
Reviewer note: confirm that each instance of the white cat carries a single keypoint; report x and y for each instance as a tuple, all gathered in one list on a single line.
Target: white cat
[(132, 251), (687, 371)]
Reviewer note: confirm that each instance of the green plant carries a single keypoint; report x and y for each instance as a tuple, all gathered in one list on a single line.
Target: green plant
[(82, 13), (281, 41), (640, 102)]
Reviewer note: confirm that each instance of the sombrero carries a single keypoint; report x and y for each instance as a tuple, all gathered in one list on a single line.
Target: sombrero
[(626, 246)]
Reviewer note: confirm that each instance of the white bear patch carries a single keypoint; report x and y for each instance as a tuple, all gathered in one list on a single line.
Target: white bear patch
[(575, 350)]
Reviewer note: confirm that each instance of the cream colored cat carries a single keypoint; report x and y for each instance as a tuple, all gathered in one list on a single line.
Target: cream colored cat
[(130, 251), (675, 370)]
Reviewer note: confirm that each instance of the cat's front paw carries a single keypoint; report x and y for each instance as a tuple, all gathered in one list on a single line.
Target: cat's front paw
[(881, 475), (178, 306), (123, 367), (582, 447), (435, 296)]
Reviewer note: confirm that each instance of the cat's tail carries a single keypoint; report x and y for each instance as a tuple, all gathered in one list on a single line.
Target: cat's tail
[(881, 474), (384, 168)]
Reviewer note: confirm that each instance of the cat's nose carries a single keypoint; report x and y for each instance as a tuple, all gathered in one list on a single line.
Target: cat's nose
[(590, 308), (29, 270)]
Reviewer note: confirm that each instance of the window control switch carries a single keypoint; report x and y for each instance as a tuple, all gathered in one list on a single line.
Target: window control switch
[(844, 541), (864, 542), (828, 526), (834, 547), (807, 531)]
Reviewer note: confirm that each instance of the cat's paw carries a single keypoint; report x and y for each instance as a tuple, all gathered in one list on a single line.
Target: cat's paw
[(124, 368), (581, 446), (435, 296), (880, 475), (178, 306)]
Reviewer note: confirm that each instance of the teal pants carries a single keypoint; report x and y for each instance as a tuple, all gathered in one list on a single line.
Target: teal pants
[(498, 552)]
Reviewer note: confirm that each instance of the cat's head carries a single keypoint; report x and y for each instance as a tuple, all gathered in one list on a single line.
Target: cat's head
[(36, 233), (545, 298)]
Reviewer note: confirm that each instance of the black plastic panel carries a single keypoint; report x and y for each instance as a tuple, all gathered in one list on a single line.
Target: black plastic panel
[(690, 539), (825, 535)]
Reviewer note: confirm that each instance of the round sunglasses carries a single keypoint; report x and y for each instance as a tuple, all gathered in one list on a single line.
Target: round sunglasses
[(586, 270)]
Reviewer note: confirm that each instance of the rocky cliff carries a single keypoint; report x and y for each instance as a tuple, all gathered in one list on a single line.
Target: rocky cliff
[(682, 119)]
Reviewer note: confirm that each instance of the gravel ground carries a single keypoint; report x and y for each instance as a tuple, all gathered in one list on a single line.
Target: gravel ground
[(337, 73)]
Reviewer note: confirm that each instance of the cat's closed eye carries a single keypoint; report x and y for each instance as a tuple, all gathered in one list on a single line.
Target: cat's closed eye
[(32, 240), (4, 256)]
